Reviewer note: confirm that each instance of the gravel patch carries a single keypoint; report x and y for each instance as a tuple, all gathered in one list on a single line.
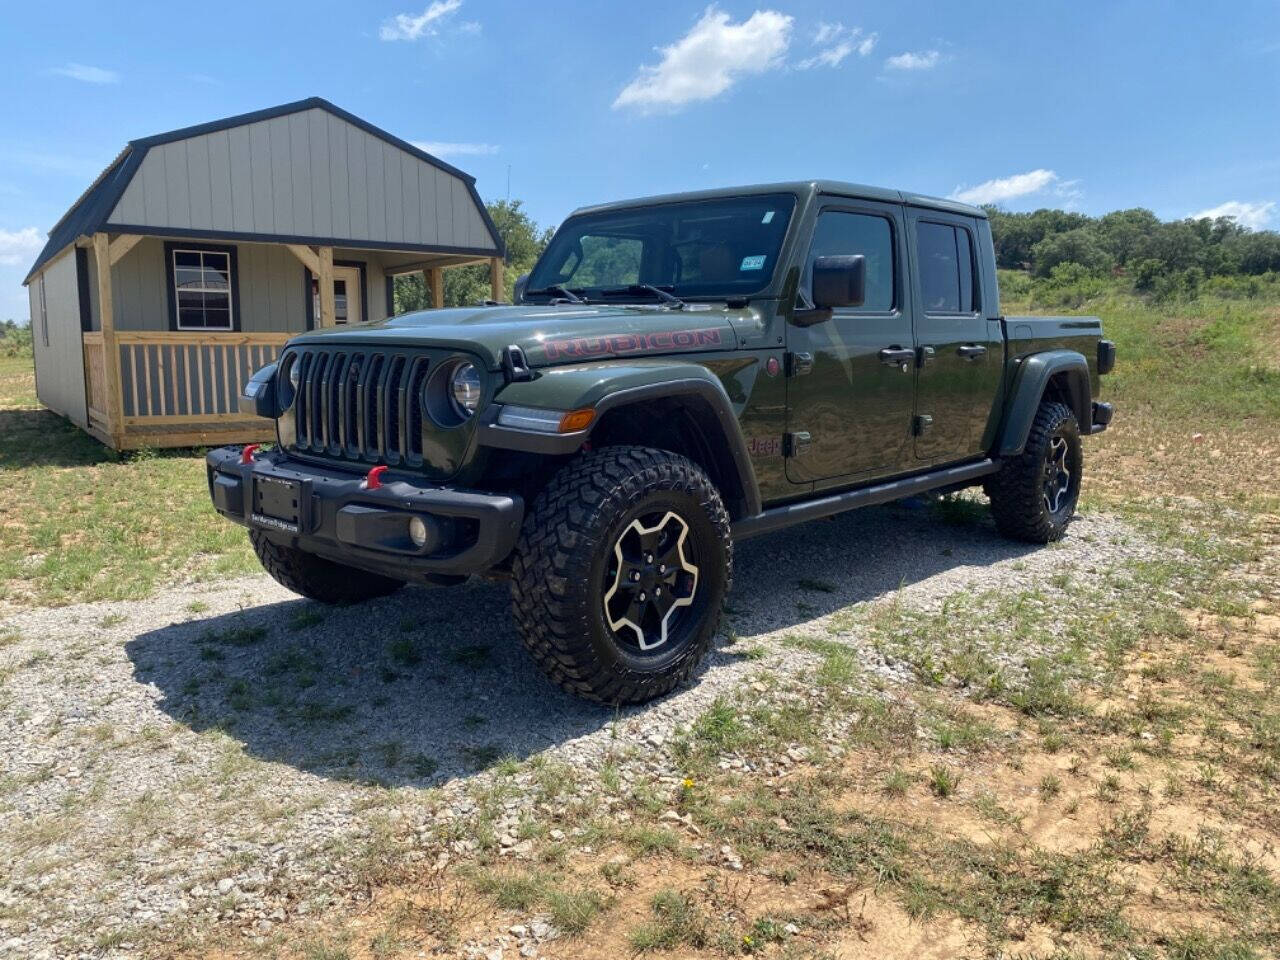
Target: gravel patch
[(226, 752)]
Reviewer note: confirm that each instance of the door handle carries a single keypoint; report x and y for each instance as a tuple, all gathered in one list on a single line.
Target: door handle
[(897, 356), (971, 351)]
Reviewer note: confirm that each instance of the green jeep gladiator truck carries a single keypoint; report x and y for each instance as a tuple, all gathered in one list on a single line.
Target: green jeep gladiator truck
[(676, 373)]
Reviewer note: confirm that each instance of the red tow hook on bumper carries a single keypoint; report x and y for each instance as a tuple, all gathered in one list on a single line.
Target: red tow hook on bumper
[(374, 478), (246, 455)]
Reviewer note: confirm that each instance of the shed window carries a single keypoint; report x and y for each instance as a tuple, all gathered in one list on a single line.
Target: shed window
[(44, 314), (202, 286)]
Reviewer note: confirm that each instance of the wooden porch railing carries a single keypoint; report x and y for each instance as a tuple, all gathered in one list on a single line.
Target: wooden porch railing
[(184, 378), (95, 380)]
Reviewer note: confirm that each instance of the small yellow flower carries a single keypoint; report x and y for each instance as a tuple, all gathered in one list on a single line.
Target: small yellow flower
[(747, 941), (687, 783)]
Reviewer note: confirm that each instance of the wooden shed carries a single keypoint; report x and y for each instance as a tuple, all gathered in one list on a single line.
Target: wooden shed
[(194, 256)]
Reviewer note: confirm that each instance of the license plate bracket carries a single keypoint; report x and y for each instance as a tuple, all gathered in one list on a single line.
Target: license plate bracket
[(280, 504)]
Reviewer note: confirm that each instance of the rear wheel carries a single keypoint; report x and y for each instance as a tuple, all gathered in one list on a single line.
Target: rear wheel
[(317, 578), (1034, 495), (620, 573)]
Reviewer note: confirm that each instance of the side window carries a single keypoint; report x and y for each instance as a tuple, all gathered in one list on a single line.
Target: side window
[(838, 233), (946, 268)]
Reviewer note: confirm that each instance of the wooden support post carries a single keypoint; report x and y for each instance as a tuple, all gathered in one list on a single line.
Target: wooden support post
[(110, 349), (325, 276), (122, 245), (495, 279), (435, 279), (306, 256)]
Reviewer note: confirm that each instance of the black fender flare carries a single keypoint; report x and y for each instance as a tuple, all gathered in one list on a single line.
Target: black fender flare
[(693, 383), (1030, 381)]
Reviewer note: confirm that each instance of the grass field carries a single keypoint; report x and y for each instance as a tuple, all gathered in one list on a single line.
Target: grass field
[(82, 523), (1117, 798)]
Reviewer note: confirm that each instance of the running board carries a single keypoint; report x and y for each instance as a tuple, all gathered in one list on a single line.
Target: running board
[(793, 513)]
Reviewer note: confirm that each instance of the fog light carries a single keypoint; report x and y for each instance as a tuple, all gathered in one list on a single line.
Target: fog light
[(418, 531)]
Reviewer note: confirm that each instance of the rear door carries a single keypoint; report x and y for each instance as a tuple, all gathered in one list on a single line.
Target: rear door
[(849, 408), (959, 371)]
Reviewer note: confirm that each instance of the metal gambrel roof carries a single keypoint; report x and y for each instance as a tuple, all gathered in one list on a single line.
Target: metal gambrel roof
[(90, 213)]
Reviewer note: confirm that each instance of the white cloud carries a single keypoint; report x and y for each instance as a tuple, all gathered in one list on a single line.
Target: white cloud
[(438, 148), (924, 60), (1004, 189), (836, 42), (1255, 216), (20, 246), (405, 26), (87, 74), (709, 59)]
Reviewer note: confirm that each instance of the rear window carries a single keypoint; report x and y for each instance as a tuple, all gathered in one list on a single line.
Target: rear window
[(946, 268)]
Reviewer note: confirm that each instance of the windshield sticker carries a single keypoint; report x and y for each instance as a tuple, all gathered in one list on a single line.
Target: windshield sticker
[(768, 217), (752, 263)]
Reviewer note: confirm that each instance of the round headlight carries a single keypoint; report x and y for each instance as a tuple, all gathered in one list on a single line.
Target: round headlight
[(464, 389), (295, 370)]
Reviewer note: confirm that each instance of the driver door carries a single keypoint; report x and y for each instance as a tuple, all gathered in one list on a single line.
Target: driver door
[(851, 379)]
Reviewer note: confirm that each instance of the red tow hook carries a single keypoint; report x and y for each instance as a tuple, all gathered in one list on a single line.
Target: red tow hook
[(374, 478), (246, 455)]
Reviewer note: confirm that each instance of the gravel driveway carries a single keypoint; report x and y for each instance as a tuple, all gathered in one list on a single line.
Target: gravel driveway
[(222, 751)]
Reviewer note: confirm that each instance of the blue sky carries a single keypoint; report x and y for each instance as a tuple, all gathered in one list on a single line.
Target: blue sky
[(1093, 106)]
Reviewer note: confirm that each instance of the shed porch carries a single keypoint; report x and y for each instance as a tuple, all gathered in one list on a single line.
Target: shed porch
[(148, 385)]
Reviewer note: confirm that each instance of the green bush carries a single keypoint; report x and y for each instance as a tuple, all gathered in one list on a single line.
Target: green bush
[(1069, 285), (15, 341), (1077, 247), (1147, 273)]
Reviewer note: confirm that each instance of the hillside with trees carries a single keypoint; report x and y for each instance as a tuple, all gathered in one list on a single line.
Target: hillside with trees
[(1165, 259)]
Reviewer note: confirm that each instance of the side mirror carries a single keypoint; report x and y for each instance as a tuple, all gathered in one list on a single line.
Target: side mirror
[(522, 282), (839, 281)]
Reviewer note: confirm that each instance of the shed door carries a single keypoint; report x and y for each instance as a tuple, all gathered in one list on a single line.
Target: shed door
[(347, 303)]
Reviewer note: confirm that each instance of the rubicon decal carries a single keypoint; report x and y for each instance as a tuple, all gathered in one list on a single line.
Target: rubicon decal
[(624, 344)]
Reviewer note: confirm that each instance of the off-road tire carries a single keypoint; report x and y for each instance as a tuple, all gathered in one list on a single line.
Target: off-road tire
[(317, 578), (1017, 491), (563, 555)]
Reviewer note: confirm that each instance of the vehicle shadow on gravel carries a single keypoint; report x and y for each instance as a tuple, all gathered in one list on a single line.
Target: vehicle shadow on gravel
[(428, 685)]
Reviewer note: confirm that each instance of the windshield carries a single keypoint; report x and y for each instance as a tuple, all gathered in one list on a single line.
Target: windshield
[(702, 248)]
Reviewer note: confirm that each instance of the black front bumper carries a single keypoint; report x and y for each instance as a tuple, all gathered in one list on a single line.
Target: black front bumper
[(329, 512), (1102, 413)]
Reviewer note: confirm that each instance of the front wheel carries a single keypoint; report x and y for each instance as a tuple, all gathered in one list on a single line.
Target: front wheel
[(620, 573), (1033, 497)]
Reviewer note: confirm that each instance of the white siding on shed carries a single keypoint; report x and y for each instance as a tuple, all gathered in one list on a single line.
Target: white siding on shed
[(306, 174), (60, 364)]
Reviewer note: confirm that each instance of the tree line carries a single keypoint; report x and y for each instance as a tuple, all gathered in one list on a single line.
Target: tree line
[(465, 286), (1134, 242)]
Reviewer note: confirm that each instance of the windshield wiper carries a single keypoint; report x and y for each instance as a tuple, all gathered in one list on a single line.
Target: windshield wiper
[(564, 293), (674, 302)]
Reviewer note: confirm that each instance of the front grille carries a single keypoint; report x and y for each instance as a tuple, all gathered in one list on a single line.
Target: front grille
[(360, 404)]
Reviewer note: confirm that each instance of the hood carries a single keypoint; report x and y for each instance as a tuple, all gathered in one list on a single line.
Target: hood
[(549, 335)]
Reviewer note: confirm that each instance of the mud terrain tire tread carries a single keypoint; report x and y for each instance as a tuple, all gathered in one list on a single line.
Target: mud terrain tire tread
[(1016, 490), (552, 597)]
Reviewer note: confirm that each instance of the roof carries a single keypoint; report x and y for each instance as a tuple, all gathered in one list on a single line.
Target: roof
[(800, 188), (89, 213)]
